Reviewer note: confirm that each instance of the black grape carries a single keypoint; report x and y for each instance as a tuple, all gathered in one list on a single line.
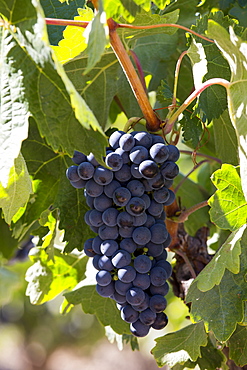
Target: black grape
[(159, 152), (128, 314), (147, 317), (126, 142), (139, 329), (72, 174), (103, 277), (103, 176), (108, 247), (160, 322), (109, 216), (157, 303), (114, 161), (135, 296), (127, 274), (138, 154), (86, 170), (79, 157), (142, 264), (148, 169)]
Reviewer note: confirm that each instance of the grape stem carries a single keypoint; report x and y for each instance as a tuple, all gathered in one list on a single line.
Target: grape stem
[(202, 155), (187, 261), (169, 123), (183, 216)]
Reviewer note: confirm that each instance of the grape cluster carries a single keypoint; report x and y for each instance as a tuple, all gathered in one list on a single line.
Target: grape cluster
[(127, 212)]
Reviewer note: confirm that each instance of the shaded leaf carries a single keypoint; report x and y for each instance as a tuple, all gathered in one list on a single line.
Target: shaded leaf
[(180, 346), (228, 204), (8, 243), (16, 193), (225, 139), (54, 9), (47, 278), (221, 308), (235, 52), (104, 308), (226, 257), (238, 346)]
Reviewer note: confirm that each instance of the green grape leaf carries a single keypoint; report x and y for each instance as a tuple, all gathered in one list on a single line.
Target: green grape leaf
[(198, 59), (74, 40), (16, 193), (191, 194), (180, 346), (239, 13), (53, 190), (226, 257), (97, 41), (40, 87), (210, 306), (228, 204), (9, 282), (104, 308), (8, 243), (146, 19), (234, 50), (47, 278), (238, 346), (225, 133), (54, 9), (211, 359), (192, 129)]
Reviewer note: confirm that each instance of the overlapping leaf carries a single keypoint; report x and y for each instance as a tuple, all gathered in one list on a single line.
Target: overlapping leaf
[(226, 257), (228, 204), (235, 52), (238, 346), (221, 308), (104, 308), (180, 346)]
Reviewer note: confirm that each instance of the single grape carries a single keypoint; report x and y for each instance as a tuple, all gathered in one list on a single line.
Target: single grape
[(148, 169), (72, 174), (157, 139), (89, 200), (142, 306), (147, 316), (121, 258), (121, 196), (102, 175), (119, 298), (103, 277), (134, 169), (161, 195), (155, 209), (146, 199), (96, 259), (158, 276), (140, 220), (169, 170), (85, 170), (159, 152), (108, 247), (93, 189), (109, 216), (136, 188), (123, 154), (141, 235), (79, 157), (102, 203), (126, 142), (122, 287), (138, 154), (173, 153), (154, 250), (150, 221), (95, 218), (96, 244), (123, 174), (159, 233), (139, 329), (171, 198), (143, 139), (108, 232), (136, 206), (88, 249), (141, 281), (105, 291), (114, 161), (125, 220), (157, 182), (162, 289), (142, 264), (86, 217), (127, 274), (135, 296), (160, 322), (126, 233), (166, 266), (157, 303), (128, 314)]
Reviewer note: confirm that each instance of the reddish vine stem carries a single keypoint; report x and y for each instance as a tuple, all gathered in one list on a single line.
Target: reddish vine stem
[(202, 155), (153, 122), (185, 214), (188, 174), (139, 68)]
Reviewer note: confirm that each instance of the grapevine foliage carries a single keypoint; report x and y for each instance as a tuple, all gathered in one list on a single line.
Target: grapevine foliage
[(63, 91)]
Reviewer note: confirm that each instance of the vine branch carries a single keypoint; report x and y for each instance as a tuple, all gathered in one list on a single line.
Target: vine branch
[(185, 214)]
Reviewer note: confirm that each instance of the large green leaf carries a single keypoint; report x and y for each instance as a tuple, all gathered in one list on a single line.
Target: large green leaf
[(228, 204), (49, 277), (39, 87), (238, 346), (104, 308), (225, 139), (16, 193), (226, 257), (222, 307), (235, 52), (53, 190), (180, 346)]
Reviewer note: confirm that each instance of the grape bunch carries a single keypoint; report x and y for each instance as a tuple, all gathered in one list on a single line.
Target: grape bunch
[(126, 200)]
